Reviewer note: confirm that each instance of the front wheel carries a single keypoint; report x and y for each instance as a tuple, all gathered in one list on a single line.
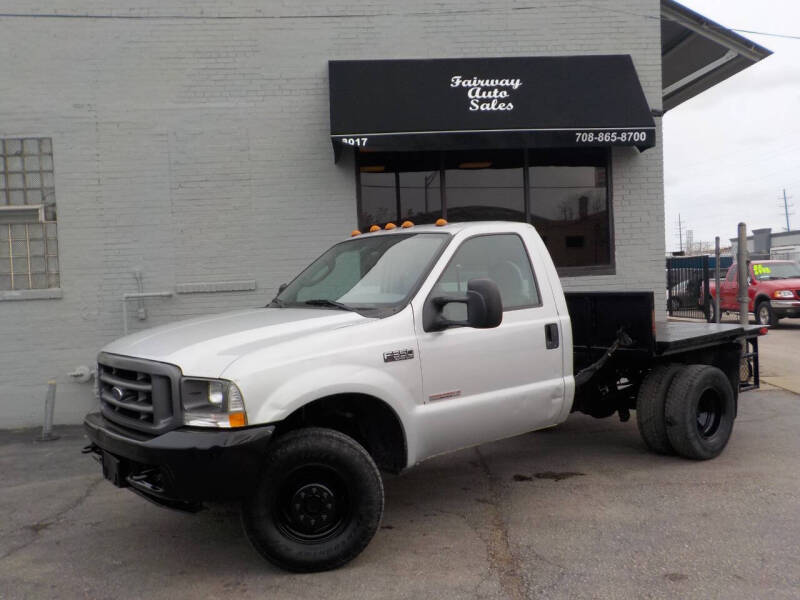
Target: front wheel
[(764, 314), (318, 502)]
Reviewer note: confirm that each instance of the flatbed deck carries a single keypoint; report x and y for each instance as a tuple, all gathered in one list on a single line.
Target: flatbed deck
[(678, 336)]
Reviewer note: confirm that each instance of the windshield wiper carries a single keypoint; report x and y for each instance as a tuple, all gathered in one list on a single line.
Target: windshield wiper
[(326, 302), (276, 303)]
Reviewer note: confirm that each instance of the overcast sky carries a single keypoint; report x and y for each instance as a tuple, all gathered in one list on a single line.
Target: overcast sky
[(729, 152)]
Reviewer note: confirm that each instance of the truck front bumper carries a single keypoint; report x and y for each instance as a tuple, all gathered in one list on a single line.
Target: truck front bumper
[(182, 467), (785, 308)]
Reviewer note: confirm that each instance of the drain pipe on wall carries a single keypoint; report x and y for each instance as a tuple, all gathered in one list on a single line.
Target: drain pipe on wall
[(49, 408), (139, 296)]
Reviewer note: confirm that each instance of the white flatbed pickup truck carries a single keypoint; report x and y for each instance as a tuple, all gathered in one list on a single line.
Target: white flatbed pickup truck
[(392, 347)]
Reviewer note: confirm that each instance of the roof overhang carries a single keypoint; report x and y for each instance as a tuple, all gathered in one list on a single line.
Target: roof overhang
[(698, 53)]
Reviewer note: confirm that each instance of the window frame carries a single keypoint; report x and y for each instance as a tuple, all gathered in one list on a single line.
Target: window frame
[(36, 214), (527, 256), (609, 268)]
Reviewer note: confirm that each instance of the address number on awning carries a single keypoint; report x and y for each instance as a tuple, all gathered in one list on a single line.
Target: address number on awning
[(610, 137), (356, 141)]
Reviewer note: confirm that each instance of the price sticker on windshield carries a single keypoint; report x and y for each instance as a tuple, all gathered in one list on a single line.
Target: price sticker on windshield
[(761, 270)]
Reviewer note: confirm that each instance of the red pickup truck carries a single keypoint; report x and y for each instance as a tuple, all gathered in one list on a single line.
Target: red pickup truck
[(774, 291)]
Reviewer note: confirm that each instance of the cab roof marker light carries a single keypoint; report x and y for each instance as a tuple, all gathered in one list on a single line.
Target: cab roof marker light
[(354, 233), (374, 228), (441, 222), (390, 226), (407, 224)]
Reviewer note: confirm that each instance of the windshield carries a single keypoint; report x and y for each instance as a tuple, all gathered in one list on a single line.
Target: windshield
[(366, 273), (776, 270)]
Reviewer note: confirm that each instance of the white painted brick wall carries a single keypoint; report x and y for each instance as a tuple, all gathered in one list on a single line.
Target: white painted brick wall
[(197, 149)]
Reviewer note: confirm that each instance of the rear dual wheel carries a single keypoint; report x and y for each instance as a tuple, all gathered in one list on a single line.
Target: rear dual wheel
[(686, 409), (699, 412)]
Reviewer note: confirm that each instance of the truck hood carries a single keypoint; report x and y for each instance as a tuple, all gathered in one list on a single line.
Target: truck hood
[(205, 346), (773, 285)]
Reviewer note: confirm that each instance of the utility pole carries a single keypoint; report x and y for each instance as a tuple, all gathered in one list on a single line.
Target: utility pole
[(786, 209)]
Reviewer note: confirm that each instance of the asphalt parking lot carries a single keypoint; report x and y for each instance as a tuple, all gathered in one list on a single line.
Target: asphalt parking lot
[(582, 510)]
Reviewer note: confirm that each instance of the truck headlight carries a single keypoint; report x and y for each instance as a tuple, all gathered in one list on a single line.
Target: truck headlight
[(784, 294), (212, 403)]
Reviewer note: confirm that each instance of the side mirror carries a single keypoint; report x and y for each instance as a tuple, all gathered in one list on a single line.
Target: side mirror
[(484, 307)]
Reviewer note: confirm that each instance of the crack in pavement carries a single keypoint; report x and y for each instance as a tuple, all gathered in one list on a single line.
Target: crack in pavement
[(36, 528), (501, 560)]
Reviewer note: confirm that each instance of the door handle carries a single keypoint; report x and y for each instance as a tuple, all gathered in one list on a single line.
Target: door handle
[(551, 335)]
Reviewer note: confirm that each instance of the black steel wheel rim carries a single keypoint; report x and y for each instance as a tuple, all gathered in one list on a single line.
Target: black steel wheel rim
[(313, 504), (710, 410)]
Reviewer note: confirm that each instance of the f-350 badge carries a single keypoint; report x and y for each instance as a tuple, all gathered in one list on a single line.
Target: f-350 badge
[(396, 355)]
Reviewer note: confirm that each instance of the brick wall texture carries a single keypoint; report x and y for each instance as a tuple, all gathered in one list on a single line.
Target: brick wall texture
[(190, 141)]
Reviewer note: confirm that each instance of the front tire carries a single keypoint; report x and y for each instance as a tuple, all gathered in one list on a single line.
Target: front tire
[(764, 314), (318, 502), (699, 411)]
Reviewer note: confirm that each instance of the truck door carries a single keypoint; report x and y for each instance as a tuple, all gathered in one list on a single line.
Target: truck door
[(484, 384), (730, 287)]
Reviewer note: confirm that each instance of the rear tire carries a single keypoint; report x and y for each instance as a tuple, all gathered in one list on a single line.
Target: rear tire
[(650, 406), (318, 502), (700, 410), (673, 305), (712, 311)]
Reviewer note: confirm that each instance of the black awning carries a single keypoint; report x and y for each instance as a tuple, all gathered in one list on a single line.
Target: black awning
[(542, 102)]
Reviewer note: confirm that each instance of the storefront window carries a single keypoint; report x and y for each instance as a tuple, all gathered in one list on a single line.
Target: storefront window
[(569, 208), (566, 197), (485, 186), (378, 196), (419, 185)]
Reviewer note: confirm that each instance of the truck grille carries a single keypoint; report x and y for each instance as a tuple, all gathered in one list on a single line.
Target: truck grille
[(137, 393)]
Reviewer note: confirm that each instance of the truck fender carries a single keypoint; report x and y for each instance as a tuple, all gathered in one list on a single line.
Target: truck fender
[(319, 383)]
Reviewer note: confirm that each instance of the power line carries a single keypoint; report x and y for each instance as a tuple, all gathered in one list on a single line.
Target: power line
[(777, 35), (202, 17)]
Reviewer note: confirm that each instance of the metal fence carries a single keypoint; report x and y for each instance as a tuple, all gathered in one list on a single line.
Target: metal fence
[(688, 280)]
